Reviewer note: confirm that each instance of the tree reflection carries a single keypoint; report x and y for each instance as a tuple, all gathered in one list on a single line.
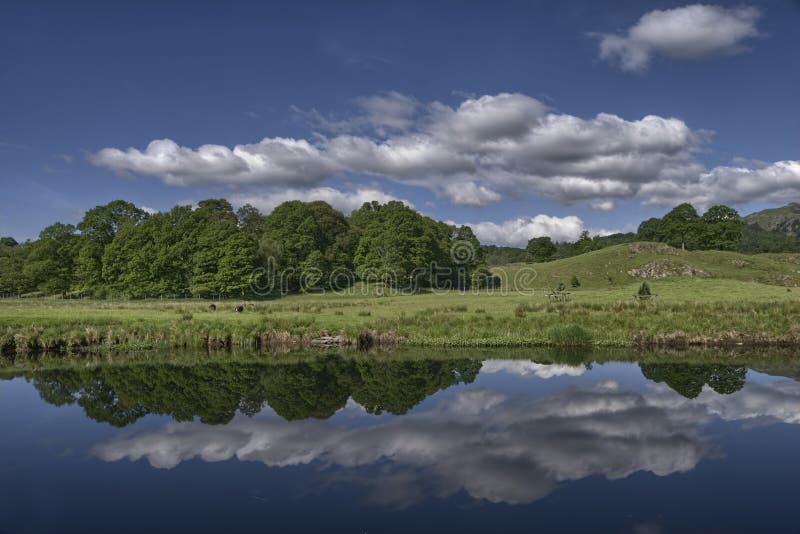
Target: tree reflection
[(689, 379), (214, 392)]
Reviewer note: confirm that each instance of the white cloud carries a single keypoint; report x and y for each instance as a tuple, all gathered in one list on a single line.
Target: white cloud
[(602, 205), (471, 194), (690, 32), (272, 161), (148, 210), (778, 182), (485, 149), (344, 201), (517, 232)]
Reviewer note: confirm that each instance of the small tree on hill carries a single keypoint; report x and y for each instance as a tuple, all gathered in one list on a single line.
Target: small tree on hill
[(575, 282), (644, 290)]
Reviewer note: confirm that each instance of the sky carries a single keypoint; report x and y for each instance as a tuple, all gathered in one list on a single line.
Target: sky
[(519, 118)]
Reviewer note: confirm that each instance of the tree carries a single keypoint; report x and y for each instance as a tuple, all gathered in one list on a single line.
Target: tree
[(585, 243), (398, 246), (649, 230), (722, 228), (251, 222), (8, 242), (99, 226), (51, 259), (575, 282), (540, 249), (13, 276), (644, 290), (235, 266), (295, 230), (681, 227), (102, 223)]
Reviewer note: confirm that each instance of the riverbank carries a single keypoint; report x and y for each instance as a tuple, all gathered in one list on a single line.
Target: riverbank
[(687, 312)]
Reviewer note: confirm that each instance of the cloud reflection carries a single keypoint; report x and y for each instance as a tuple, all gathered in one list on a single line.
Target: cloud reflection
[(501, 448)]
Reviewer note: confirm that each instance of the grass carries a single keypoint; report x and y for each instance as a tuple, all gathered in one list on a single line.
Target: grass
[(737, 299)]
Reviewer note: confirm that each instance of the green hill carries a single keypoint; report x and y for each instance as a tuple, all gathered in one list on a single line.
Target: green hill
[(626, 264), (785, 220)]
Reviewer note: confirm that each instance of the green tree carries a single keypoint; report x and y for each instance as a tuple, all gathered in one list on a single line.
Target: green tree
[(235, 266), (540, 249), (99, 226), (251, 222), (681, 227), (649, 230), (295, 230), (50, 261), (722, 228)]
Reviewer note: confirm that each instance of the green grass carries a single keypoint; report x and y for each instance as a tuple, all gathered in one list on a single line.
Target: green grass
[(739, 299)]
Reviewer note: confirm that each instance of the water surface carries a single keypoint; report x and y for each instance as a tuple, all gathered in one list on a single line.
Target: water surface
[(381, 445)]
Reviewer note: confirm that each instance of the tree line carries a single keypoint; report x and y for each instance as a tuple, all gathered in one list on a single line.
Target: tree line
[(211, 250), (214, 392), (719, 228)]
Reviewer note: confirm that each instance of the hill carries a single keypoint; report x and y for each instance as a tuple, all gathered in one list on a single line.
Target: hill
[(626, 264), (785, 220)]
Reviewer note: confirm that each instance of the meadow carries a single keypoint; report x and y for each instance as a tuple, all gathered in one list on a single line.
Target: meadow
[(703, 299)]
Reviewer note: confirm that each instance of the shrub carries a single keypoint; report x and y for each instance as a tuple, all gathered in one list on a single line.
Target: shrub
[(644, 290), (575, 282)]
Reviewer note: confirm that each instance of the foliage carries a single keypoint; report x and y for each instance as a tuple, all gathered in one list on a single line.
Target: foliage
[(688, 379), (644, 290), (540, 249), (214, 392), (497, 255)]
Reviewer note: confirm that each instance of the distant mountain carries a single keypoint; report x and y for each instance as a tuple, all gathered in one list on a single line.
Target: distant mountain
[(785, 220)]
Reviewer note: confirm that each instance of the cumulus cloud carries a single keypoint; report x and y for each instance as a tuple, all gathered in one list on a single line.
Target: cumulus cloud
[(344, 201), (516, 232), (512, 448), (477, 153), (778, 182), (277, 161), (473, 154), (690, 32)]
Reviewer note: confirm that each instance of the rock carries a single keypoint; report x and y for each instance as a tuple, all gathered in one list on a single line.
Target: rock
[(660, 269)]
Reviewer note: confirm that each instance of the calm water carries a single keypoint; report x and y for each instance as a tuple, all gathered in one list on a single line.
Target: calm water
[(369, 446)]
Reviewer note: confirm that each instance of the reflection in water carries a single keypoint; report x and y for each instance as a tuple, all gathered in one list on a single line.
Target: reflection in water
[(512, 448), (688, 380), (120, 395)]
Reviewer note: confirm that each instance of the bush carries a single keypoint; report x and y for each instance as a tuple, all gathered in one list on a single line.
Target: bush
[(644, 290), (575, 282)]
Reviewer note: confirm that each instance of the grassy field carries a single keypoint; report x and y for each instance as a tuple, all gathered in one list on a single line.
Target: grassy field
[(705, 298)]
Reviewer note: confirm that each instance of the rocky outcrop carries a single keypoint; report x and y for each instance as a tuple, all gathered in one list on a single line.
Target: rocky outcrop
[(660, 269)]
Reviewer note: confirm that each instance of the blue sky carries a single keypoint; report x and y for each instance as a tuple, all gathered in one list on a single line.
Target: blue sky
[(521, 118)]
